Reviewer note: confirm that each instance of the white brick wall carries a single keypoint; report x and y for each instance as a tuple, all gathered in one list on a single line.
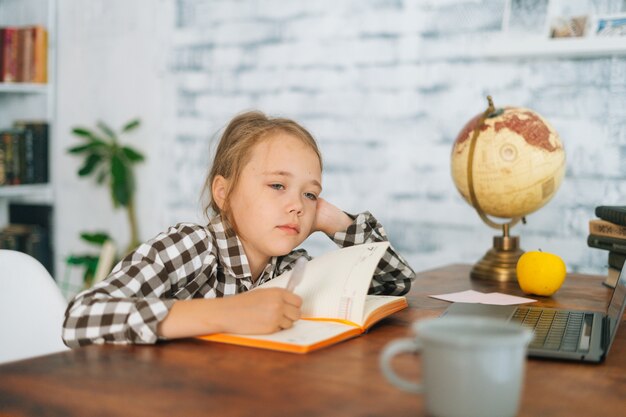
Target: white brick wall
[(377, 84), (383, 86)]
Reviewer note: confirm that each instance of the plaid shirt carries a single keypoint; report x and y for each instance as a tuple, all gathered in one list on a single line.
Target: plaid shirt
[(193, 261)]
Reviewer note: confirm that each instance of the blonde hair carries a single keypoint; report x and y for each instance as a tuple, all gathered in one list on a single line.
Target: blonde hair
[(234, 151)]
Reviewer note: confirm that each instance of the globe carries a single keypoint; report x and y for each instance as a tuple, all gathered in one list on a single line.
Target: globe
[(506, 163), (518, 162)]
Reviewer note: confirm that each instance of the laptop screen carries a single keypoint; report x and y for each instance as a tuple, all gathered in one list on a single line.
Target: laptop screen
[(617, 304)]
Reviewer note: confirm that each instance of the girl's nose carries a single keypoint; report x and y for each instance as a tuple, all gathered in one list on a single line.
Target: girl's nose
[(296, 206)]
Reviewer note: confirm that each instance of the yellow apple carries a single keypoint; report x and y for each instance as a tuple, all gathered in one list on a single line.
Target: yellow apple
[(540, 273)]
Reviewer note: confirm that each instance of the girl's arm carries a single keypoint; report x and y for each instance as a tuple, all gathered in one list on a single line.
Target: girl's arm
[(393, 274), (330, 219), (265, 310), (142, 299), (125, 307)]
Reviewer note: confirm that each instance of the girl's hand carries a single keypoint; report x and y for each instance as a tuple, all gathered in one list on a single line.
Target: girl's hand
[(254, 312), (330, 219), (265, 310)]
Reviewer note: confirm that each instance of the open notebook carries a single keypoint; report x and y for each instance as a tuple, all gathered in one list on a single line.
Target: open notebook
[(335, 304)]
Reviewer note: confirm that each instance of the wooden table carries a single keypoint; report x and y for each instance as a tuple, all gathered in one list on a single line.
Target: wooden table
[(196, 378)]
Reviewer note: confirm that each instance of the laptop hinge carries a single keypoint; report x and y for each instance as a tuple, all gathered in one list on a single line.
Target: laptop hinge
[(606, 333)]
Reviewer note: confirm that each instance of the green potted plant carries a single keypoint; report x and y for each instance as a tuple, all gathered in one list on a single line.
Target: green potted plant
[(111, 163)]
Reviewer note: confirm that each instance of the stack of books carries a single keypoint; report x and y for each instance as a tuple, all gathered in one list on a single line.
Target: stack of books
[(24, 54), (26, 238), (608, 232), (29, 230), (24, 153)]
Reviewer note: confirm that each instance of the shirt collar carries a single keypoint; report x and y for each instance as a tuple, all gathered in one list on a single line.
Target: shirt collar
[(231, 255)]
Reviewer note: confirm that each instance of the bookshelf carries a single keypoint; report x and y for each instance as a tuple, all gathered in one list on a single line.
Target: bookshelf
[(31, 204)]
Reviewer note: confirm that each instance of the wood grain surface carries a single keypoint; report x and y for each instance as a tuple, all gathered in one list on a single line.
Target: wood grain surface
[(196, 378)]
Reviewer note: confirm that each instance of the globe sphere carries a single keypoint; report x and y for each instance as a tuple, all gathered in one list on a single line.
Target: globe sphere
[(518, 162)]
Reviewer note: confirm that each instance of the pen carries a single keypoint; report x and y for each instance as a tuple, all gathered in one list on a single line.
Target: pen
[(297, 273)]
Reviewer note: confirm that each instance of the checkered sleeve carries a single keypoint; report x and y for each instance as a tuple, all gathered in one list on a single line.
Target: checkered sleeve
[(393, 274), (127, 306)]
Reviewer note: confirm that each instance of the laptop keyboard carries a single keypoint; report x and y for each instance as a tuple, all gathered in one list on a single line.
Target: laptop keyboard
[(555, 329)]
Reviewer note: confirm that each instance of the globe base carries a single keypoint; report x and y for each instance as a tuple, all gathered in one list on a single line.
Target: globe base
[(500, 261)]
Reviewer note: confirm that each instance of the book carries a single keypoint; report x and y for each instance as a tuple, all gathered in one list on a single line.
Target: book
[(26, 238), (613, 214), (335, 303), (611, 244), (40, 54), (10, 156), (616, 260), (601, 227), (25, 44), (612, 277), (3, 177), (19, 157), (36, 150), (10, 56), (39, 218)]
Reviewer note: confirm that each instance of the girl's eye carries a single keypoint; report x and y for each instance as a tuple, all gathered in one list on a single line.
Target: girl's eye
[(277, 186), (310, 196)]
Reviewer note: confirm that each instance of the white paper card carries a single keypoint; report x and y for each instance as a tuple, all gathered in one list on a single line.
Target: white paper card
[(493, 298)]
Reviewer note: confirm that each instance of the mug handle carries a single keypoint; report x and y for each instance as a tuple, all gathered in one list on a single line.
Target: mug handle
[(395, 348)]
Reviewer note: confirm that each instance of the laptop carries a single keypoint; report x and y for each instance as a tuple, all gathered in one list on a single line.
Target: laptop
[(559, 333)]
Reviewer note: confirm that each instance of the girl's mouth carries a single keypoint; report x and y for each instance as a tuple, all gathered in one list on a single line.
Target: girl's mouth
[(290, 228)]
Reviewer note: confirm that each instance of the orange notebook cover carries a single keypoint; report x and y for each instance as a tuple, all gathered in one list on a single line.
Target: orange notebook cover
[(335, 303)]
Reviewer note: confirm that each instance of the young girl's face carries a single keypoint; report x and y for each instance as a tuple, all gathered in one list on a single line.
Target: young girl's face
[(275, 201)]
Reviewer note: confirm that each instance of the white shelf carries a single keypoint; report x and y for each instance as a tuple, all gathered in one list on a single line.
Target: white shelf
[(23, 88), (39, 192), (508, 46), (558, 47)]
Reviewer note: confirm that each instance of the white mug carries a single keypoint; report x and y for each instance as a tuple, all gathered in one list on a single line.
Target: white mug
[(471, 366)]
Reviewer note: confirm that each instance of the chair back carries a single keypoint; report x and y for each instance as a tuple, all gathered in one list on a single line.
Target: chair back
[(31, 308)]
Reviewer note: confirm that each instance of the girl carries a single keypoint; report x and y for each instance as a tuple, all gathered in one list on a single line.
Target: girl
[(264, 190)]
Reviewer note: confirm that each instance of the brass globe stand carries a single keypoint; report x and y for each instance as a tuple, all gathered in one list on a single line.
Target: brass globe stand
[(500, 261)]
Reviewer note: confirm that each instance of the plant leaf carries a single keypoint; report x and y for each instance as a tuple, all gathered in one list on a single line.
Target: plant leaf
[(80, 259), (132, 154), (132, 125), (120, 189), (80, 148), (90, 271), (81, 131), (107, 130), (90, 164), (102, 175), (97, 238), (88, 134), (93, 146), (73, 260)]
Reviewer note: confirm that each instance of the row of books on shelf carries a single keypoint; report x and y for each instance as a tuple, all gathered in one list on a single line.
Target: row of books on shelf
[(29, 230), (24, 153), (27, 238), (24, 54), (608, 232)]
